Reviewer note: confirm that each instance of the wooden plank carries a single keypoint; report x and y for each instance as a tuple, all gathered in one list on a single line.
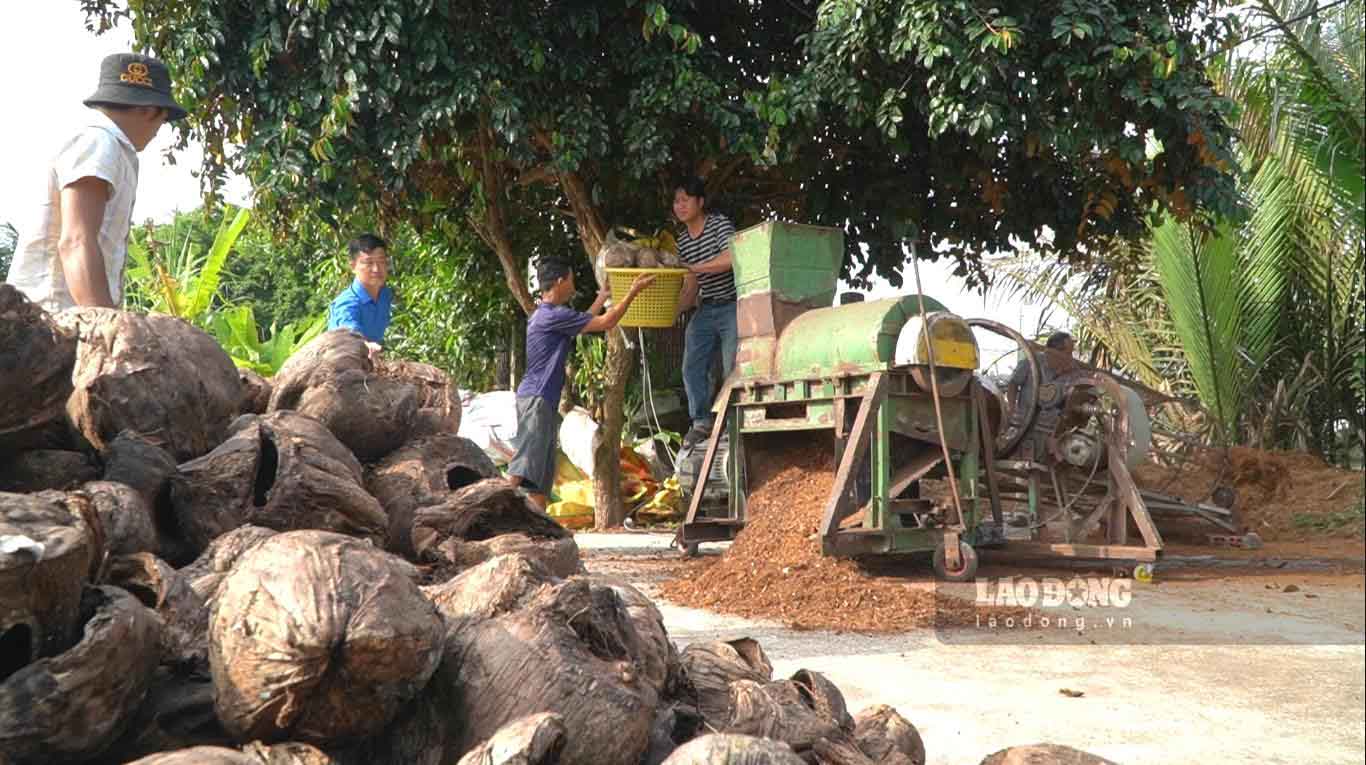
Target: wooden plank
[(710, 457), (1099, 552), (839, 505)]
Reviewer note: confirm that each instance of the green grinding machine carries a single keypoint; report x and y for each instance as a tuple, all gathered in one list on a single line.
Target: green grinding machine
[(892, 386)]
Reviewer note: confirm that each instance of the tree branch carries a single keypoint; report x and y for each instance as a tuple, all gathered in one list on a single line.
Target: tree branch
[(492, 228)]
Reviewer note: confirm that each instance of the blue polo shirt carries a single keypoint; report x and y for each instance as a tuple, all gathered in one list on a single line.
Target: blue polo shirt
[(355, 309)]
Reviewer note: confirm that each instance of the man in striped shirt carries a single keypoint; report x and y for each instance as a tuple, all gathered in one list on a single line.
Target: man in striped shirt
[(704, 248)]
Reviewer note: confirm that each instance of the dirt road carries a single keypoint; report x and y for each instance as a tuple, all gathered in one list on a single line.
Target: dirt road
[(1218, 665)]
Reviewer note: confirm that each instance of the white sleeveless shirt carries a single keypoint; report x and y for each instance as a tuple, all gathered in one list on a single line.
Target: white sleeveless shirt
[(100, 150)]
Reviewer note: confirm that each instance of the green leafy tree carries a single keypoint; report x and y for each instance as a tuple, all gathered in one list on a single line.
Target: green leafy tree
[(979, 127), (1262, 323), (538, 125), (286, 277), (9, 239)]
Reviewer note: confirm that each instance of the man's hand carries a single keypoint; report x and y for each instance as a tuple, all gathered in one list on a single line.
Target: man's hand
[(611, 318), (641, 282), (375, 350)]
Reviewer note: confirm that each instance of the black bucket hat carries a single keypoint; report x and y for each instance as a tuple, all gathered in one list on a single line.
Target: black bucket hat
[(130, 79)]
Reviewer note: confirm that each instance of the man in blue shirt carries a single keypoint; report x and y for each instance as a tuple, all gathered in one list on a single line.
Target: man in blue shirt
[(550, 334), (365, 305)]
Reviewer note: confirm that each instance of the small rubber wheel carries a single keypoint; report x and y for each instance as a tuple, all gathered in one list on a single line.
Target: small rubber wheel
[(1143, 572), (689, 549), (967, 564)]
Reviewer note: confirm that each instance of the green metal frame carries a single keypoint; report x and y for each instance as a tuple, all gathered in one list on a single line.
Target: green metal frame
[(861, 412)]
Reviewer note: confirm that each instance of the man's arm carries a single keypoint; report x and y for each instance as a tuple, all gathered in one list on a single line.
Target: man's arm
[(78, 246), (599, 302), (688, 297), (716, 265), (609, 320)]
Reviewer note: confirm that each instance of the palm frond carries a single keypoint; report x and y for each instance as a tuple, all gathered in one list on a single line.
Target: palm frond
[(1201, 281)]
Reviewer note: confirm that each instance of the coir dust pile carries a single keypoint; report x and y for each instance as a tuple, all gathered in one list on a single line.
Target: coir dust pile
[(1283, 496), (775, 570)]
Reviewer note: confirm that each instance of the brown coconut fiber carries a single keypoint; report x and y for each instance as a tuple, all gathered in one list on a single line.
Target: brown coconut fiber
[(775, 569)]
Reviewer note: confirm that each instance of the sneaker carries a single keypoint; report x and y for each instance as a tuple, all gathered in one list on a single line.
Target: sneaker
[(697, 434)]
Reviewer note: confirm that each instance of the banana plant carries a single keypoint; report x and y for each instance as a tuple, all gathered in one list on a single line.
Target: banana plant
[(236, 331), (176, 278)]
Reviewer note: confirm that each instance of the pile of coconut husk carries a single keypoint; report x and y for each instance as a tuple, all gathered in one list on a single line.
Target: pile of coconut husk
[(190, 576)]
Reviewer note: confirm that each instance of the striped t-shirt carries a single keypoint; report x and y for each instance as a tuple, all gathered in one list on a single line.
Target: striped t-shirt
[(717, 231)]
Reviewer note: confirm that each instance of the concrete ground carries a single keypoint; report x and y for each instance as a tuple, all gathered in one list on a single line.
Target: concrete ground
[(1220, 666)]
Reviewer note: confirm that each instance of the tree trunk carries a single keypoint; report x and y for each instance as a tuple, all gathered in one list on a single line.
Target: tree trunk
[(608, 509), (607, 506)]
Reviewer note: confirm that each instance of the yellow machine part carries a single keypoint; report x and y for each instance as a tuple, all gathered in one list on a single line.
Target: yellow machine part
[(955, 347)]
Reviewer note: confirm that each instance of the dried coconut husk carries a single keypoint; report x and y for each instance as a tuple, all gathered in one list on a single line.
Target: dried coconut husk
[(494, 587), (620, 255), (74, 705), (482, 511), (567, 651), (533, 740), (778, 710), (418, 735), (319, 637), (822, 697), (710, 668), (155, 375), (675, 724), (289, 753), (199, 755), (437, 398), (36, 359), (184, 614), (207, 571), (255, 392), (559, 557), (46, 469), (658, 659), (136, 462), (842, 751), (1044, 754), (734, 749), (125, 516), (371, 415), (283, 471), (422, 472), (321, 359), (52, 552), (176, 714), (885, 737)]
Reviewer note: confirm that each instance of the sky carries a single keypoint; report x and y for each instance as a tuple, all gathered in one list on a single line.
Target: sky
[(54, 64)]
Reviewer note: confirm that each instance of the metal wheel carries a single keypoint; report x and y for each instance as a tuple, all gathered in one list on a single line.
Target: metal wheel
[(967, 564)]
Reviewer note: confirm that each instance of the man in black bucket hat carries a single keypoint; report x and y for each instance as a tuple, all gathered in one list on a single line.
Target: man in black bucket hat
[(74, 242)]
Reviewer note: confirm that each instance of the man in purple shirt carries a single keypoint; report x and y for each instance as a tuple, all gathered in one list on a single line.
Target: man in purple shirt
[(550, 334)]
